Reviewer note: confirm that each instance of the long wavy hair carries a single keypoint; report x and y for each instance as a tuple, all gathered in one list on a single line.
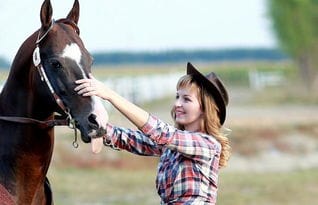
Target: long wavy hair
[(211, 122)]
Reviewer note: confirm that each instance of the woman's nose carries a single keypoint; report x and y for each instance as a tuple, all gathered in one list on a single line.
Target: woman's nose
[(177, 103)]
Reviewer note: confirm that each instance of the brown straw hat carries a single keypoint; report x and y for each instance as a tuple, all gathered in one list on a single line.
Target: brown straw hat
[(214, 86)]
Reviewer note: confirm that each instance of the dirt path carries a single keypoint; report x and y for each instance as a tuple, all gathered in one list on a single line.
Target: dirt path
[(290, 149), (271, 115)]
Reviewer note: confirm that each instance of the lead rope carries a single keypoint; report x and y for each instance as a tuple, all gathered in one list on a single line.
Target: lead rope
[(38, 65)]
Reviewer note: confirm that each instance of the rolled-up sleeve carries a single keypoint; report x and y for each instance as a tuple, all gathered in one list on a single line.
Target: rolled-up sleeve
[(133, 141), (195, 145)]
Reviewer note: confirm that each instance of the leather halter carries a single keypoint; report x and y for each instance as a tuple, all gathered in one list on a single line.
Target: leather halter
[(68, 121), (41, 124)]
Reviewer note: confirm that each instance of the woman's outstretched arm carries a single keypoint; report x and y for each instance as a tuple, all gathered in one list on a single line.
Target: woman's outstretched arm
[(91, 86)]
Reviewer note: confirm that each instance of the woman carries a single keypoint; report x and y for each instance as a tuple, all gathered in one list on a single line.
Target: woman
[(191, 152)]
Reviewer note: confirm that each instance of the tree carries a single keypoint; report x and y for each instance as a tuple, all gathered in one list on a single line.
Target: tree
[(295, 25)]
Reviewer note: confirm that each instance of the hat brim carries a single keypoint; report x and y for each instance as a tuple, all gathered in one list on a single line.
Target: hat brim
[(211, 88)]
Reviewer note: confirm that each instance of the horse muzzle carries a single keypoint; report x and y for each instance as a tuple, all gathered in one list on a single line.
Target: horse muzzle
[(96, 131), (96, 122)]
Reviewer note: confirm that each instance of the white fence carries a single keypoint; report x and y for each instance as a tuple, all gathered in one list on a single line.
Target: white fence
[(140, 89), (259, 80), (144, 88)]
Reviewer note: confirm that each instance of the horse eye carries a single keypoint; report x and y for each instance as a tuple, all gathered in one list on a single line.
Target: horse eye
[(56, 64), (63, 92)]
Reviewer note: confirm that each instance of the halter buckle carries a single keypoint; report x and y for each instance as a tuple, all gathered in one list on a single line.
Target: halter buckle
[(36, 56)]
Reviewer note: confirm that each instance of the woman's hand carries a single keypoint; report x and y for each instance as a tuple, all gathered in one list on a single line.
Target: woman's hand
[(90, 87)]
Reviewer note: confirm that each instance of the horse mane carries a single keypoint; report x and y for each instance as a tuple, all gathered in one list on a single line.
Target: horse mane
[(21, 64), (22, 58)]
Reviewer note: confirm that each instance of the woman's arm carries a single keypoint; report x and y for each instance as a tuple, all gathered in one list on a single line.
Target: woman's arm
[(91, 86), (133, 141), (194, 145)]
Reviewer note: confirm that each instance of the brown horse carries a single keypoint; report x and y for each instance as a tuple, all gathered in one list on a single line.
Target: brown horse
[(41, 83)]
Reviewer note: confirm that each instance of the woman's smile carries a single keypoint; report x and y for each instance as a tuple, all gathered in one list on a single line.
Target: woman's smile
[(187, 108), (179, 113)]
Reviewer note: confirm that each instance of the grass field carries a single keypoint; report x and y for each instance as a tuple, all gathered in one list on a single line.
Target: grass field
[(136, 186)]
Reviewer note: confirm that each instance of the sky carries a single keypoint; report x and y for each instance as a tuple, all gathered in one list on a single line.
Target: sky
[(146, 25)]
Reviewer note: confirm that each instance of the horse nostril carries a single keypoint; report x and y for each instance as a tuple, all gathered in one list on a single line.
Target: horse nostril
[(92, 121)]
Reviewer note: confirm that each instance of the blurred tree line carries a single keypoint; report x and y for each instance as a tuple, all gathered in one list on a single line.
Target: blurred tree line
[(181, 56), (296, 26), (3, 63), (174, 56)]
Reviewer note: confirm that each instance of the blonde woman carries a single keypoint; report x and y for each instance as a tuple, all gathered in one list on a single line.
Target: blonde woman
[(191, 152)]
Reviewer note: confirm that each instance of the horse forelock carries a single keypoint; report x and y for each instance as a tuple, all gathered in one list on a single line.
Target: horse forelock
[(71, 23)]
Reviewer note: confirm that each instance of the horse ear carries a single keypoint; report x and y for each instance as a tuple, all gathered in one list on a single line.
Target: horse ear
[(46, 14), (73, 15)]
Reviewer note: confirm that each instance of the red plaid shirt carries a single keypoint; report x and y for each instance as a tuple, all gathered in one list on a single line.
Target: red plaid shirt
[(189, 161)]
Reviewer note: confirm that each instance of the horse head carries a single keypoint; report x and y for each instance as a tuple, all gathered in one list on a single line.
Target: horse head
[(61, 58)]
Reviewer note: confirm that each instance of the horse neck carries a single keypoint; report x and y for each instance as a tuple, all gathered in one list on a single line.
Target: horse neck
[(23, 146), (19, 96)]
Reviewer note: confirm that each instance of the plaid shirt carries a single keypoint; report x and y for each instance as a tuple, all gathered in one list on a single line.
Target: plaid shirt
[(189, 161)]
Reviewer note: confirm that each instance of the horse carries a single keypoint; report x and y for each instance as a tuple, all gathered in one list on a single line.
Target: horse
[(38, 90)]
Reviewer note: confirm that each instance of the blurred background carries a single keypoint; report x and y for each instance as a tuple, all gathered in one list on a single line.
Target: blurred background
[(264, 50)]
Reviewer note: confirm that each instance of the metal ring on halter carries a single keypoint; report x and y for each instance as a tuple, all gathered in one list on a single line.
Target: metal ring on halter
[(72, 125), (75, 144), (110, 144), (72, 122)]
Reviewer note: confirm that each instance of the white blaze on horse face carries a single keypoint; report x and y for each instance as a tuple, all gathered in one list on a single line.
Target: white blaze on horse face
[(72, 51), (100, 112), (101, 119)]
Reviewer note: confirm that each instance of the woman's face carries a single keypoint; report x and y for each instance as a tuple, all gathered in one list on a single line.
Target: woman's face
[(187, 109)]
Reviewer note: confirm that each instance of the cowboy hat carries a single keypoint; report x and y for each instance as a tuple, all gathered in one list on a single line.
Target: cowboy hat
[(214, 86)]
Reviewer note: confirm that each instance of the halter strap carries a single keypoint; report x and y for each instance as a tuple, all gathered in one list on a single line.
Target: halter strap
[(41, 124), (38, 64), (38, 40)]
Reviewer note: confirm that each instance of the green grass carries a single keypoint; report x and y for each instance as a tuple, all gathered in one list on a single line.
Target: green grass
[(237, 74), (288, 188), (232, 73), (103, 186), (137, 186), (120, 178), (3, 75)]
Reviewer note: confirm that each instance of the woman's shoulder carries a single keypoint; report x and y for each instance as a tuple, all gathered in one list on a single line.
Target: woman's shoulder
[(209, 138)]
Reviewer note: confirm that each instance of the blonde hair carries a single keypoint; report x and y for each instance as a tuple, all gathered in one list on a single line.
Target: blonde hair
[(211, 122)]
